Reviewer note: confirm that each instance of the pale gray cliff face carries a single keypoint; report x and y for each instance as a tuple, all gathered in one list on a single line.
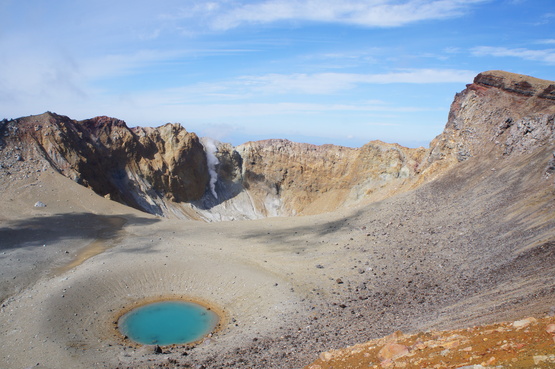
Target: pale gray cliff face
[(170, 172)]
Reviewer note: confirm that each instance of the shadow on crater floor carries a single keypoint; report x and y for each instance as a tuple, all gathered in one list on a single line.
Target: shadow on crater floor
[(41, 230)]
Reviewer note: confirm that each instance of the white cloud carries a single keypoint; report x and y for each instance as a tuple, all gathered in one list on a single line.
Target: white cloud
[(545, 56), (116, 65), (318, 84), (224, 15), (152, 107), (327, 83), (546, 18), (547, 41), (36, 80), (245, 88)]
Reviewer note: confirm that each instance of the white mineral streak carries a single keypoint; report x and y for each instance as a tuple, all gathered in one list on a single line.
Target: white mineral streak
[(210, 149)]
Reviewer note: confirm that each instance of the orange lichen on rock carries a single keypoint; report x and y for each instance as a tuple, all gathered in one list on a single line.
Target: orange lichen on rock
[(520, 344)]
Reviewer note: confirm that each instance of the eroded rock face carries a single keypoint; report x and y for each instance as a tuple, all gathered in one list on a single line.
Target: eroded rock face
[(165, 170), (310, 179), (140, 167), (169, 171), (499, 114)]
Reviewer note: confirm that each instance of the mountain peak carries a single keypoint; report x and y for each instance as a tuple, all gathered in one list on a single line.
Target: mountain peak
[(517, 83)]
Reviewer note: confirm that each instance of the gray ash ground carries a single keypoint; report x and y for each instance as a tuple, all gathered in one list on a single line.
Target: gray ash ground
[(445, 256), (473, 247)]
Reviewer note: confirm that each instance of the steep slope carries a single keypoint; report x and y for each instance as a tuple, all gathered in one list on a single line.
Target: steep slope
[(500, 113), (487, 222)]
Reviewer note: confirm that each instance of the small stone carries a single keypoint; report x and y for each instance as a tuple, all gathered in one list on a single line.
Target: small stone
[(393, 351), (40, 204), (490, 361), (419, 345), (451, 344), (386, 363), (550, 328), (524, 322), (326, 356), (505, 347), (339, 281), (150, 349), (540, 359)]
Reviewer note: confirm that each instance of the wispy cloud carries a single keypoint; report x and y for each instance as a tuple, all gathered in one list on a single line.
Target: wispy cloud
[(31, 78), (545, 56), (546, 42), (224, 15), (115, 65), (326, 83), (546, 18), (272, 85), (143, 109)]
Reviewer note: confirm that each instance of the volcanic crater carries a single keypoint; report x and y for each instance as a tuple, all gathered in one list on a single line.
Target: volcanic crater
[(304, 248)]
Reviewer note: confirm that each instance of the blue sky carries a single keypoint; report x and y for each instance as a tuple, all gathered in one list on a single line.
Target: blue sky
[(318, 71)]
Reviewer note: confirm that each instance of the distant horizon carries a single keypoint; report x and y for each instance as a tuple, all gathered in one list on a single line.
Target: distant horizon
[(317, 71)]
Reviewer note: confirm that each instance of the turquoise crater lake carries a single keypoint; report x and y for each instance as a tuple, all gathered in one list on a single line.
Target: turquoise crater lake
[(168, 322)]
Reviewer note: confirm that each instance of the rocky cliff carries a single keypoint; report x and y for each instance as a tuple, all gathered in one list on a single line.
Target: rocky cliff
[(498, 114), (171, 172), (310, 179), (140, 167)]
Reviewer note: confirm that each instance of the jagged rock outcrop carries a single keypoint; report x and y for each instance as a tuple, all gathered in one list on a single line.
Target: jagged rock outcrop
[(171, 172), (140, 167), (308, 179), (498, 114)]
